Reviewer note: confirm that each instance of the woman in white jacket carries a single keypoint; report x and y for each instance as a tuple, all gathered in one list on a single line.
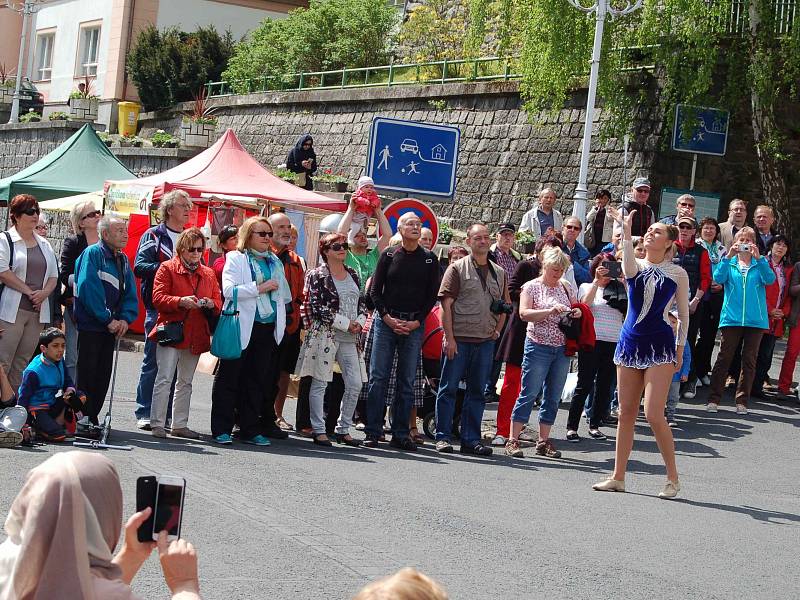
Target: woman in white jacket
[(262, 292), (29, 274)]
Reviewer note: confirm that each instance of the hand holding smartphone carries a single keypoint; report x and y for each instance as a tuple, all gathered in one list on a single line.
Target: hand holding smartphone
[(164, 495), (614, 268)]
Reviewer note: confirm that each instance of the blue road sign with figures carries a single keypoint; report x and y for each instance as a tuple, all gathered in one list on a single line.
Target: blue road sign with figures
[(412, 157), (708, 133)]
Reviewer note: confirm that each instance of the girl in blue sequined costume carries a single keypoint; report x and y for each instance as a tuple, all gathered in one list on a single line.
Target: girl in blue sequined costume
[(649, 352)]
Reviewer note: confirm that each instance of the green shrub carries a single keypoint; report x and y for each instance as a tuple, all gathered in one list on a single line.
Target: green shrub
[(58, 116), (30, 117), (328, 35), (170, 66)]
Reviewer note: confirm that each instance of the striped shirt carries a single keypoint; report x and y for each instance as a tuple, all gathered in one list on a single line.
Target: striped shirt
[(607, 320)]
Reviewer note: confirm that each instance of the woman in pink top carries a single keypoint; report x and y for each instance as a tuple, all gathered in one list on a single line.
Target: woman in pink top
[(542, 303)]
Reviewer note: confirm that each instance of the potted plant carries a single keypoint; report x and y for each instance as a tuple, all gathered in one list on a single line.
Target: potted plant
[(128, 140), (198, 125), (284, 174), (526, 241), (162, 139), (7, 84), (105, 138), (58, 115), (340, 182), (445, 233), (30, 117), (83, 102)]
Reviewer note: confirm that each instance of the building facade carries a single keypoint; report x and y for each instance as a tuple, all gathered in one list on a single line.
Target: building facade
[(69, 40)]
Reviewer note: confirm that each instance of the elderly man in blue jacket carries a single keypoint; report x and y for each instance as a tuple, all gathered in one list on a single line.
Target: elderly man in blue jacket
[(105, 306), (577, 252), (156, 245)]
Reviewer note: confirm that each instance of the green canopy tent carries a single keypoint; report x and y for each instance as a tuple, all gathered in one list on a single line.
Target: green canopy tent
[(81, 164)]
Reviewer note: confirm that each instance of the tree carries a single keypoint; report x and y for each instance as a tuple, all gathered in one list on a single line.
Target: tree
[(172, 66), (707, 52), (328, 35)]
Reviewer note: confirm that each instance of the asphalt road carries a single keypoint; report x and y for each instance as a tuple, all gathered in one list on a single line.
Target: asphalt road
[(296, 521)]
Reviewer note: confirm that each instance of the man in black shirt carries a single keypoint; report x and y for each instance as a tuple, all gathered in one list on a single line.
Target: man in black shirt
[(404, 289)]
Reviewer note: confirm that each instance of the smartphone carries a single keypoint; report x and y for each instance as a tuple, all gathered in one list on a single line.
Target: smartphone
[(614, 268), (168, 512), (146, 488)]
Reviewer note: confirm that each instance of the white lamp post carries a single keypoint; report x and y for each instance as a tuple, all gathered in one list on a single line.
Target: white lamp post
[(601, 8), (26, 8)]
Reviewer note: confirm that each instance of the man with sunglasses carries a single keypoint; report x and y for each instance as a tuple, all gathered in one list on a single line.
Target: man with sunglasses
[(289, 348), (695, 261), (403, 290), (577, 252), (684, 207), (156, 246), (644, 217)]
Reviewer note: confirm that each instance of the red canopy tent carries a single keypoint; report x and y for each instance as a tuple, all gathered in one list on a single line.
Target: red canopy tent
[(226, 168)]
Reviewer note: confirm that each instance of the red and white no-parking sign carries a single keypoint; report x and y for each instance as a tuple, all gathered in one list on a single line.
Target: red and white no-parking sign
[(398, 208)]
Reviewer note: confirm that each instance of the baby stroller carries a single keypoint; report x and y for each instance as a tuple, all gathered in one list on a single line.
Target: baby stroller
[(431, 365)]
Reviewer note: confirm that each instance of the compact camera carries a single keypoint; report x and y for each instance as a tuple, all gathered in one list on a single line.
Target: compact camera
[(499, 307), (744, 247)]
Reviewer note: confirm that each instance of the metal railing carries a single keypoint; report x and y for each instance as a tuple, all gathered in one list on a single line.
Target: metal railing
[(493, 68), (735, 18)]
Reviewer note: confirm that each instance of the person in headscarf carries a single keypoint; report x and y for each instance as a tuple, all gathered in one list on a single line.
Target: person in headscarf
[(303, 160), (63, 527)]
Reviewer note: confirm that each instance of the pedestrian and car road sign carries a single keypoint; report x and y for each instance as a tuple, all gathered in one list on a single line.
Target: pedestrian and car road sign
[(707, 132), (413, 157), (397, 208)]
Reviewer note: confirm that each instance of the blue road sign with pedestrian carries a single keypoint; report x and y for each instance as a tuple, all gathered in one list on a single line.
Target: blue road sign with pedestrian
[(412, 157), (707, 132)]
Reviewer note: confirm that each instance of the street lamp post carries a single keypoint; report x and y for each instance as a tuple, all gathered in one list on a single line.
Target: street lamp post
[(26, 8), (601, 9)]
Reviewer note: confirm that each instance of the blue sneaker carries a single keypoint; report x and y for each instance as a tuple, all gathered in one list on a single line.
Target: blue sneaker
[(258, 440), (223, 438)]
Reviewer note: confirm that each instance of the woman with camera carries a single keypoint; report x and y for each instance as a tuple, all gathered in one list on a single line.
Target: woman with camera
[(63, 527), (333, 314), (185, 294), (262, 292), (648, 352), (608, 302), (745, 275), (545, 365)]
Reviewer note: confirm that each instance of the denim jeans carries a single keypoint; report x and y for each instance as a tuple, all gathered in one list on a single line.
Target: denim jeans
[(673, 398), (541, 366), (383, 347), (147, 376), (473, 360), (347, 357), (71, 333)]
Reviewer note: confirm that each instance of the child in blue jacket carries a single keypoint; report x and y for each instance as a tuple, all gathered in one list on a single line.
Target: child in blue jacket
[(680, 377), (47, 391)]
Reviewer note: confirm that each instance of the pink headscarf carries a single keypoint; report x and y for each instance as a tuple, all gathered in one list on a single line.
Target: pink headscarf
[(64, 525)]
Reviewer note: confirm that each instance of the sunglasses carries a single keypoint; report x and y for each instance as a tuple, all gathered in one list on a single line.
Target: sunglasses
[(91, 215), (30, 211), (643, 190), (263, 234), (196, 249), (572, 227), (685, 226), (336, 246)]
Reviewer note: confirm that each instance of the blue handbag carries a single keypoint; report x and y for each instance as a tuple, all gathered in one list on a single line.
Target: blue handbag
[(227, 341)]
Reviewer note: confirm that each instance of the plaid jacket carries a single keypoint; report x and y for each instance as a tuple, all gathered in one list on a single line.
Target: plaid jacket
[(321, 300)]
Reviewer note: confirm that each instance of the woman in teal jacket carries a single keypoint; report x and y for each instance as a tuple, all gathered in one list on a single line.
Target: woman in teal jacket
[(745, 275)]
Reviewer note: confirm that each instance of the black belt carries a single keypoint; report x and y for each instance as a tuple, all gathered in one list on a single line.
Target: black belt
[(404, 316)]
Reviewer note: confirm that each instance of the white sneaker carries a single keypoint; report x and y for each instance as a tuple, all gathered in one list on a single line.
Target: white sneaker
[(712, 407), (671, 489), (143, 424), (706, 380), (499, 441), (741, 409)]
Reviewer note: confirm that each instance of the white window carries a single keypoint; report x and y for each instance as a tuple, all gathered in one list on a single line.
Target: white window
[(44, 55), (88, 50)]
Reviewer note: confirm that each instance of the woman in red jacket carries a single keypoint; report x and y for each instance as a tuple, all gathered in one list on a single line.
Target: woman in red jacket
[(779, 304), (184, 292)]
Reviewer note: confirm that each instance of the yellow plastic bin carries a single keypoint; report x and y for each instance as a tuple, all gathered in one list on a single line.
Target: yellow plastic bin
[(128, 117)]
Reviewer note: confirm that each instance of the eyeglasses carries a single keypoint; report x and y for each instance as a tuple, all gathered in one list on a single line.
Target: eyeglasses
[(91, 215), (306, 145), (643, 190), (263, 234), (336, 246), (196, 249), (573, 227), (30, 211), (685, 226), (41, 227), (686, 204)]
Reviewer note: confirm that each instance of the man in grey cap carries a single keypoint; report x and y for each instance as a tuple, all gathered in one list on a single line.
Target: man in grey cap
[(644, 217)]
